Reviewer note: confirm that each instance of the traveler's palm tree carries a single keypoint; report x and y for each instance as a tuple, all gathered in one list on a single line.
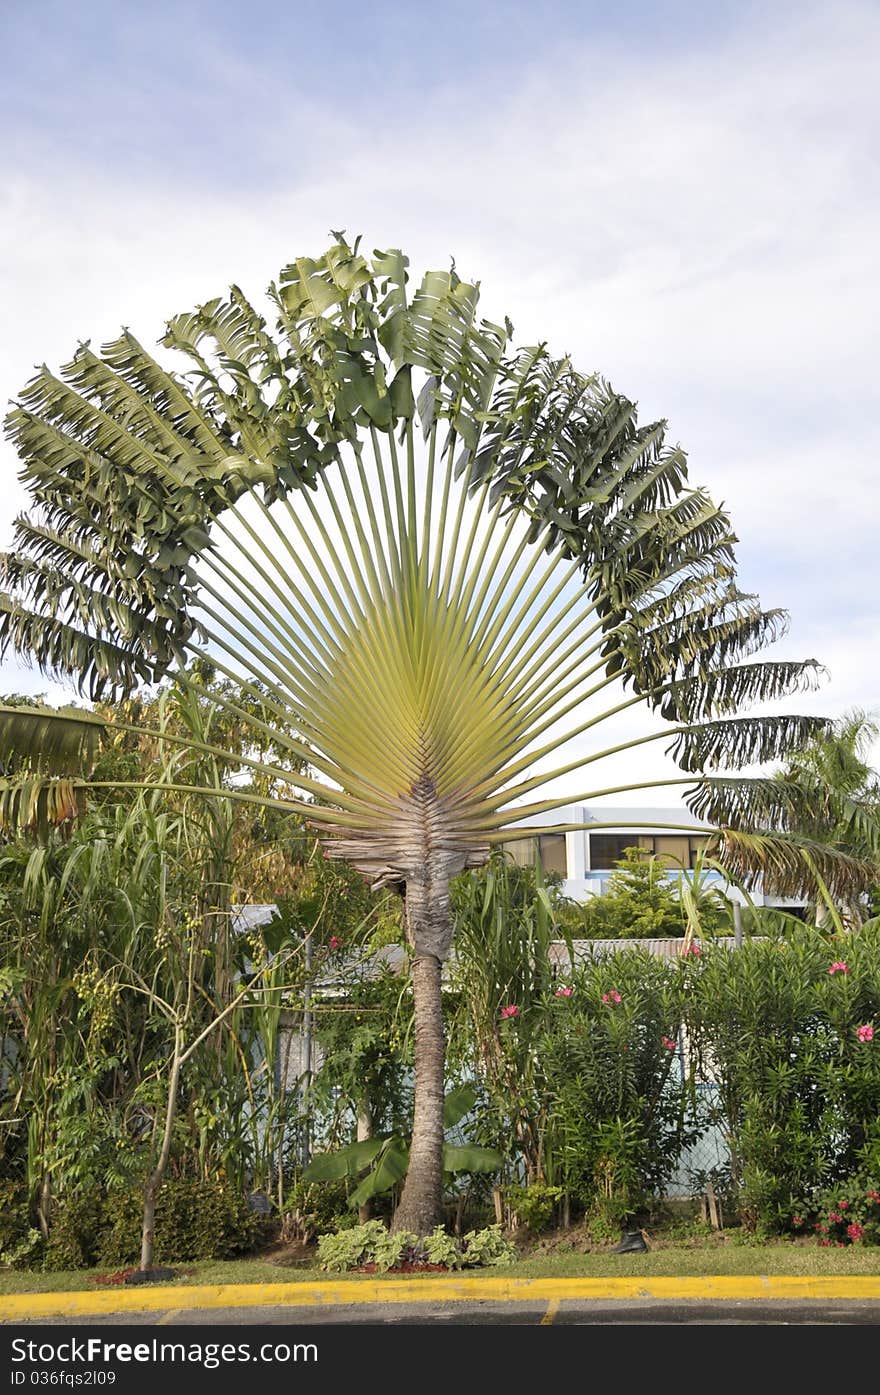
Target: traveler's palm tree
[(437, 559)]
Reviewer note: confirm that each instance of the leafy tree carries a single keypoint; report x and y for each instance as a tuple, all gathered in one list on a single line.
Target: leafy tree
[(848, 817), (642, 902), (825, 807), (420, 548), (639, 903)]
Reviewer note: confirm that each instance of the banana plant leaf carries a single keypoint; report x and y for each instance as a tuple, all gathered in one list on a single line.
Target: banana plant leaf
[(390, 1168), (468, 1157), (343, 1162), (457, 1104)]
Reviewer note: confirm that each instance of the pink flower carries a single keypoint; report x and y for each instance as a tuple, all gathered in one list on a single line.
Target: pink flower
[(865, 1033), (668, 1043), (612, 997), (824, 1242), (842, 1205), (820, 1227), (693, 948), (334, 942), (834, 1216), (838, 967), (563, 992), (855, 1231), (797, 1220), (510, 1011)]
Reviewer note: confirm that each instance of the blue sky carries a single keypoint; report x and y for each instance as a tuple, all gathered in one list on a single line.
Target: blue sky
[(683, 195)]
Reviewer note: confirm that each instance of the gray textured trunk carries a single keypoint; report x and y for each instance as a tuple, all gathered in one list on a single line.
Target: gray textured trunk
[(429, 928), (156, 1177)]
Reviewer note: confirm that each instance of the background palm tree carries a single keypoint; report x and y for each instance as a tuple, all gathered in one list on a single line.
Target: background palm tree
[(435, 559)]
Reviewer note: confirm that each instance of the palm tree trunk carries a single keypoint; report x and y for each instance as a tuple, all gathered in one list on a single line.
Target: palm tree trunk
[(429, 928)]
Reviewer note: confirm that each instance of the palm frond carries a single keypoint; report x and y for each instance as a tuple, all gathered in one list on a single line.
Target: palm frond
[(788, 864), (51, 740), (436, 561)]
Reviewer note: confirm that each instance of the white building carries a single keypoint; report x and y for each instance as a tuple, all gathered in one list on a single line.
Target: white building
[(586, 857)]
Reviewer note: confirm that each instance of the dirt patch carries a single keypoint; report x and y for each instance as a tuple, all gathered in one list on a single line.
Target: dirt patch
[(111, 1279), (122, 1276), (289, 1255)]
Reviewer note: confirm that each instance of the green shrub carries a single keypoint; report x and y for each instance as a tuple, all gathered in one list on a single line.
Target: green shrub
[(15, 1221), (397, 1247), (372, 1243), (74, 1233), (640, 902), (346, 1249), (487, 1246), (442, 1248), (313, 1207), (619, 1111), (776, 1026), (194, 1220), (534, 1205)]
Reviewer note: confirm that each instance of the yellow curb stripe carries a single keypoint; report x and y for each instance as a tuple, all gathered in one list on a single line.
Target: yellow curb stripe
[(494, 1289), (550, 1315)]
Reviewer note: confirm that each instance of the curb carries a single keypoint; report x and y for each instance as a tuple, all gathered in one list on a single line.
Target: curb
[(20, 1307)]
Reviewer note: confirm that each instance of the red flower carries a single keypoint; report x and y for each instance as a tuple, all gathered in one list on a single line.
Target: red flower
[(797, 1220), (855, 1231), (668, 1043), (334, 942), (843, 1205)]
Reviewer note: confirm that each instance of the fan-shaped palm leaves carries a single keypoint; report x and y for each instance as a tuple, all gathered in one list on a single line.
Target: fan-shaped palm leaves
[(435, 558)]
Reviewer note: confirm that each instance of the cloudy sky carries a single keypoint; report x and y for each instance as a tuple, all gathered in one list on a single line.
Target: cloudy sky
[(684, 196)]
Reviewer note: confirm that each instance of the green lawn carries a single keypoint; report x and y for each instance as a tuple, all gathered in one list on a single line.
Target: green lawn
[(773, 1258)]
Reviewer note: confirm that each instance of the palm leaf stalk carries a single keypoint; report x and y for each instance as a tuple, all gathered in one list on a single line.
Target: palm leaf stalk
[(436, 561)]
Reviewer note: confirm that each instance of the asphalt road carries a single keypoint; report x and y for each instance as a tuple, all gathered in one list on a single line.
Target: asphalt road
[(566, 1313)]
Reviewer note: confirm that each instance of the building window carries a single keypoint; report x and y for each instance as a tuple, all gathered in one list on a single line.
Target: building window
[(551, 847), (607, 849), (696, 846), (675, 851), (523, 851)]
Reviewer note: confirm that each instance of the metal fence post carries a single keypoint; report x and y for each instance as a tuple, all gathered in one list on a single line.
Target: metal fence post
[(307, 1056)]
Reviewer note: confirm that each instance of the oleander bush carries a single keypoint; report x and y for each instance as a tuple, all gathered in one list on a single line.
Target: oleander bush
[(787, 1033)]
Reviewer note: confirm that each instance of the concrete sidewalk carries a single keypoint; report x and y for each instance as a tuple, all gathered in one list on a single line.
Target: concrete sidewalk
[(532, 1294)]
